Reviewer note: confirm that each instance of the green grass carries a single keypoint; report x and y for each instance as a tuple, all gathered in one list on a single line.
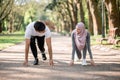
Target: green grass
[(95, 41), (7, 40)]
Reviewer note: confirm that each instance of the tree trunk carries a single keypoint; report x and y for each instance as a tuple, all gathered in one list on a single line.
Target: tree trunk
[(10, 26), (70, 15), (0, 26), (82, 14), (90, 22), (74, 13), (113, 14), (95, 17)]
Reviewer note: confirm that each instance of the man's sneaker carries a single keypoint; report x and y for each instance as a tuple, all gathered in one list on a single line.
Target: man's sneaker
[(36, 62), (84, 62), (44, 56)]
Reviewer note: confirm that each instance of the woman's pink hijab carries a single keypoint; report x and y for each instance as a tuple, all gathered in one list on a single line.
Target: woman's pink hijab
[(80, 39)]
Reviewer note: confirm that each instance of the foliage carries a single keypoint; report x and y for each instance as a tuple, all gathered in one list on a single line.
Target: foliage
[(64, 13), (21, 12), (5, 9), (71, 12)]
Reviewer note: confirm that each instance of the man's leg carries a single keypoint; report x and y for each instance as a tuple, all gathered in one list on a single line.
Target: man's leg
[(34, 49), (40, 42)]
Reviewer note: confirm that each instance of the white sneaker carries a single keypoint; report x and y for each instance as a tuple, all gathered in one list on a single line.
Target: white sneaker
[(76, 58), (84, 62)]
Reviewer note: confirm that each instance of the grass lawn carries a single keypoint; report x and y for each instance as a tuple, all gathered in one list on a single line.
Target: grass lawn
[(10, 39), (7, 40), (95, 41)]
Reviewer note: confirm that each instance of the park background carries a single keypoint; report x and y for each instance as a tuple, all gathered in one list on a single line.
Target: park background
[(61, 16)]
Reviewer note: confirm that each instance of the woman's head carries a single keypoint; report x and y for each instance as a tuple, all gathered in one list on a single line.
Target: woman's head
[(80, 28), (80, 35)]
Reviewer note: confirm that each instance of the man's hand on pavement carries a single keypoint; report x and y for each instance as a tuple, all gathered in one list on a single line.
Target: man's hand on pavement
[(25, 63), (51, 63)]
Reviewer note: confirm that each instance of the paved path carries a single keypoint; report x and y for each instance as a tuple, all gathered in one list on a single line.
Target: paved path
[(107, 64)]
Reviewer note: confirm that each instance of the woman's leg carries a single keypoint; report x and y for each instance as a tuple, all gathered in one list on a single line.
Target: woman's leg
[(88, 46), (84, 51), (73, 50), (84, 55), (78, 52), (73, 47), (89, 50)]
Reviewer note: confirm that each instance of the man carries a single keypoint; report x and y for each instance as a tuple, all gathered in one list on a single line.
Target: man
[(37, 31)]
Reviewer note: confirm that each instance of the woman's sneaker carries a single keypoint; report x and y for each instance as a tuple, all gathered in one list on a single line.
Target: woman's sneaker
[(84, 62)]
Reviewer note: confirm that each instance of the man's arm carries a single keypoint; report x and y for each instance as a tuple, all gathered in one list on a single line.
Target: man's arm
[(27, 44), (48, 41)]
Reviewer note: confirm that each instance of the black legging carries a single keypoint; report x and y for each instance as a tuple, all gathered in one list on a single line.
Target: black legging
[(40, 43)]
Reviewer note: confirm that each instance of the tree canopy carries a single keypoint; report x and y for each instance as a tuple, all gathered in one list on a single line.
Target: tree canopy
[(64, 14)]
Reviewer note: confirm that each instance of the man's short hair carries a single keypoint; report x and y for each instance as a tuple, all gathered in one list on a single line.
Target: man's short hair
[(39, 26)]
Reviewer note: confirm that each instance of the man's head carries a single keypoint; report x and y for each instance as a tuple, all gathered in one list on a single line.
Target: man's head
[(39, 26)]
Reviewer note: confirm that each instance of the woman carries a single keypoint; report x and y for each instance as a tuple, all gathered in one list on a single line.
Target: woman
[(81, 41)]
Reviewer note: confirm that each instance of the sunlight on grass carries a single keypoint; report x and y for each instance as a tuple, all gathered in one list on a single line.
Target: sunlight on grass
[(7, 40), (10, 39), (95, 41), (4, 45)]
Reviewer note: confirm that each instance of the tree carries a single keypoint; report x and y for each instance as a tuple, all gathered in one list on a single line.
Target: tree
[(82, 14), (90, 21), (113, 13), (74, 11), (95, 17), (5, 7)]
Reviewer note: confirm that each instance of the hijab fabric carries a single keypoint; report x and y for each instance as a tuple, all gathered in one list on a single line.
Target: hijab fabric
[(80, 39)]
